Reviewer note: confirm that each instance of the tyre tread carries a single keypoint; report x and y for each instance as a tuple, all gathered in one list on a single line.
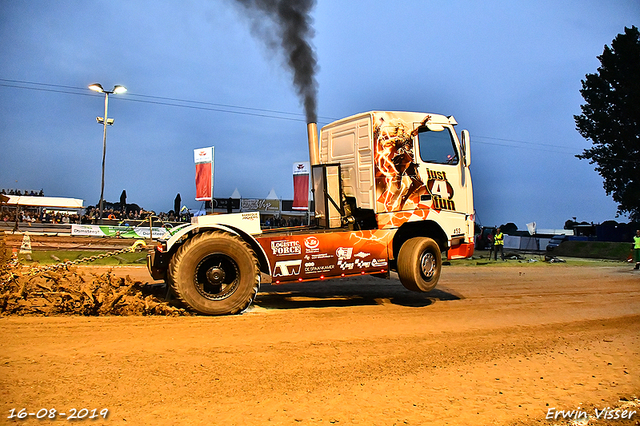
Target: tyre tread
[(176, 262), (407, 265)]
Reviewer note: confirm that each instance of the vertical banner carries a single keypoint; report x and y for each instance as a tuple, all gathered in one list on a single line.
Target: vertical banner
[(203, 158), (301, 186)]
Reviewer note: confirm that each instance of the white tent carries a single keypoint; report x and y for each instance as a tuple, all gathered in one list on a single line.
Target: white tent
[(272, 195), (50, 202)]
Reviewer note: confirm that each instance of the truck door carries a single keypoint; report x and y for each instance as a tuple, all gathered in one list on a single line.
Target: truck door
[(440, 167)]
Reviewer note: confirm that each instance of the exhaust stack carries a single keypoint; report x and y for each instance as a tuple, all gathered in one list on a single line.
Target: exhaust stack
[(312, 134)]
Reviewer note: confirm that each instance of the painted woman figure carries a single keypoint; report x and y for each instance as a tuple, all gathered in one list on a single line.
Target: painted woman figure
[(395, 160)]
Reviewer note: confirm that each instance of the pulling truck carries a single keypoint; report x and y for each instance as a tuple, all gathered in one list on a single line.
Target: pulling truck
[(392, 192)]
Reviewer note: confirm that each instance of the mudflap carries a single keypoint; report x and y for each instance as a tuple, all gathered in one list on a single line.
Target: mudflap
[(157, 264)]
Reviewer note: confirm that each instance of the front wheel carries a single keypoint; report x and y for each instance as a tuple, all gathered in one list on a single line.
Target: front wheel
[(215, 273), (419, 264)]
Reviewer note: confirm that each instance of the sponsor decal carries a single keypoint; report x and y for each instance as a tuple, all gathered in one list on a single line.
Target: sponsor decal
[(344, 265), (362, 255), (378, 262), (117, 231), (312, 244), (86, 230), (286, 248), (318, 256), (312, 268), (286, 268), (344, 253), (259, 204), (362, 264)]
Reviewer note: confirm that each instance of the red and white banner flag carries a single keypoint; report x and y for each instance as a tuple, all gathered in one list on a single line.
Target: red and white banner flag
[(301, 186), (203, 158)]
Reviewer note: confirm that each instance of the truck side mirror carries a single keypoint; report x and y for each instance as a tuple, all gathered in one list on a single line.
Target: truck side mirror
[(466, 148)]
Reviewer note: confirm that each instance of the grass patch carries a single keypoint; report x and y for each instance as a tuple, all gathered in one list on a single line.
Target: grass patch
[(59, 256), (594, 250), (481, 258)]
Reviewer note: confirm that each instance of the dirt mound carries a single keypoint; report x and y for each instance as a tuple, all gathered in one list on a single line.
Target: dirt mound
[(67, 291)]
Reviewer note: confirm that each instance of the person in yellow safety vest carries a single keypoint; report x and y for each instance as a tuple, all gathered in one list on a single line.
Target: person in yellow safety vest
[(636, 249), (498, 242)]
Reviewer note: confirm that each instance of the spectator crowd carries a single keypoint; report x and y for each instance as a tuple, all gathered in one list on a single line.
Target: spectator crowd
[(30, 217), (281, 222), (130, 215), (90, 216), (19, 192)]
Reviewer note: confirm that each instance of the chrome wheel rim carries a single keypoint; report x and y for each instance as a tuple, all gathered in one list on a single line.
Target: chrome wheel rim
[(428, 265)]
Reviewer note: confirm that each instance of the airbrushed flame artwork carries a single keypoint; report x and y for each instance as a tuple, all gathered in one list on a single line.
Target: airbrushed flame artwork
[(397, 179)]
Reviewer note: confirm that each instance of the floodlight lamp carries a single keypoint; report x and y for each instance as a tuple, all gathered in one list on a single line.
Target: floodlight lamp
[(119, 89), (100, 120), (96, 87)]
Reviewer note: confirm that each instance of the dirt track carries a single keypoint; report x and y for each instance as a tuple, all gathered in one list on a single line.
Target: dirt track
[(490, 346)]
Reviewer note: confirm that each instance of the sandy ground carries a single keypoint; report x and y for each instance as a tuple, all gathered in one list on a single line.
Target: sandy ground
[(490, 346)]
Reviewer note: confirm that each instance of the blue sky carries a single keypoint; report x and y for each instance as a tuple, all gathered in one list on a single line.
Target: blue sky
[(508, 71)]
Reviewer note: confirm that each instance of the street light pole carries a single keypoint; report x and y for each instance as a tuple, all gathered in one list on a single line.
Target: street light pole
[(105, 121), (104, 151)]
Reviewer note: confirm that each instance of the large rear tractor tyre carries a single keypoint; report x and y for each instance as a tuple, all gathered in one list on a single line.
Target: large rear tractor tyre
[(419, 264), (215, 273)]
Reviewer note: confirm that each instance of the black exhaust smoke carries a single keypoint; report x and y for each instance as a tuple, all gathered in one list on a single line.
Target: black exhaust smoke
[(288, 28)]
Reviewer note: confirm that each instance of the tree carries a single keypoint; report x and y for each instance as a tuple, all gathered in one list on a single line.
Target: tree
[(611, 120)]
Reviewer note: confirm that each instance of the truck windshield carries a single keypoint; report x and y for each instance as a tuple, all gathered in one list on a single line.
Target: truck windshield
[(437, 147)]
